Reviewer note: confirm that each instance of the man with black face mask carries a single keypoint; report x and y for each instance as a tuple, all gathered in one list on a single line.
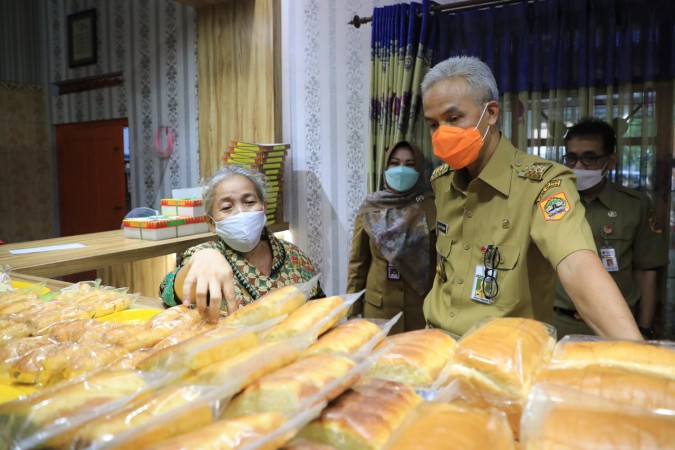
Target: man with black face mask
[(628, 238)]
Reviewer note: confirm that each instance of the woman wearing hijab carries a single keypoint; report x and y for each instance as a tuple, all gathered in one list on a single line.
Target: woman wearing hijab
[(393, 248)]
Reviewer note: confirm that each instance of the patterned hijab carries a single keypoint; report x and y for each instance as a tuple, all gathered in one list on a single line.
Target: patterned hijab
[(396, 222)]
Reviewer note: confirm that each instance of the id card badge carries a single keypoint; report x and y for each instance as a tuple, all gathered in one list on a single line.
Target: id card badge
[(477, 293), (608, 257), (392, 272)]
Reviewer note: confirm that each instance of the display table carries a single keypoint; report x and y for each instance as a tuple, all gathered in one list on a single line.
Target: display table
[(137, 264)]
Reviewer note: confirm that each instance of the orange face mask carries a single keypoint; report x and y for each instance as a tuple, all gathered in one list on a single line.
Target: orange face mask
[(458, 147)]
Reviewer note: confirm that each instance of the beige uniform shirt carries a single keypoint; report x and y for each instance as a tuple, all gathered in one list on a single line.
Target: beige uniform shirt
[(526, 206), (622, 219)]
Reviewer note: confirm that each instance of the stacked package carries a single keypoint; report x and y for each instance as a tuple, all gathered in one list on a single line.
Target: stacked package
[(267, 159), (180, 217)]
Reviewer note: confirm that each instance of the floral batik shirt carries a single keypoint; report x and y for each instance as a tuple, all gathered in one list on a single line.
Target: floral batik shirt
[(289, 266)]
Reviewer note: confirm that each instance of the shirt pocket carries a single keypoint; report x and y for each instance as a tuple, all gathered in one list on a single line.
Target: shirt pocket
[(373, 298), (508, 278)]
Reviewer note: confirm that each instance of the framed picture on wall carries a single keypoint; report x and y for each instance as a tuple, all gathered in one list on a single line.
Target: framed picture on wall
[(82, 38)]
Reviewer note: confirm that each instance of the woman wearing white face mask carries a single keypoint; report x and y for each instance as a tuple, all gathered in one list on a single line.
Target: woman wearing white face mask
[(393, 248), (247, 261)]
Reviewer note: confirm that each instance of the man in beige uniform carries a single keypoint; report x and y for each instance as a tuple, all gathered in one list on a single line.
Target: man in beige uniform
[(506, 221), (628, 238)]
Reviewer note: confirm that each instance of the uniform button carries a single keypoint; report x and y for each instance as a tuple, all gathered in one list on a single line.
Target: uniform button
[(469, 214), (452, 314), (460, 280), (517, 162), (467, 246)]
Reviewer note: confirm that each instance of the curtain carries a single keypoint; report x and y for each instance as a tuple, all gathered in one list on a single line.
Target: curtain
[(556, 61), (401, 55)]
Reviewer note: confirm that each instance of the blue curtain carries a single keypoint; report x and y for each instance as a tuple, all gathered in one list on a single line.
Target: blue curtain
[(562, 44)]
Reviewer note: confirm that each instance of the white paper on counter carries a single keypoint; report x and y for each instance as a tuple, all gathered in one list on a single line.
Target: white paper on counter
[(48, 248)]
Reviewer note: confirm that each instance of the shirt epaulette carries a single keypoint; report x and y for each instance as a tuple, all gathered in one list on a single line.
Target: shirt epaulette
[(439, 171), (629, 191), (535, 171)]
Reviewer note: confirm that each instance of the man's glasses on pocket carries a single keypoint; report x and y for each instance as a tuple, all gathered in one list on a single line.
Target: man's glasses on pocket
[(491, 262)]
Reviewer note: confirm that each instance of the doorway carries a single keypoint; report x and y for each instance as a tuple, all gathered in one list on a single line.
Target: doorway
[(91, 176)]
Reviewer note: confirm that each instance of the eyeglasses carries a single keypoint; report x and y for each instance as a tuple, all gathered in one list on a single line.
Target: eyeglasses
[(491, 261), (587, 159)]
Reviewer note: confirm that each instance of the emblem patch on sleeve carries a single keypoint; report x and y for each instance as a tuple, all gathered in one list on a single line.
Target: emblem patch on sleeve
[(547, 186), (555, 207)]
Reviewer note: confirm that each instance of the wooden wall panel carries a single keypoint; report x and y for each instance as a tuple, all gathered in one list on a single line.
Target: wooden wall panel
[(239, 72)]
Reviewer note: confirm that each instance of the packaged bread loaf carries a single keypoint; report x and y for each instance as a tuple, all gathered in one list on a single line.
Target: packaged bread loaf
[(502, 356), (298, 385), (11, 330), (646, 390), (347, 338), (69, 330), (436, 426), (315, 316), (30, 421), (139, 413), (232, 434), (364, 416), (651, 357), (567, 421), (276, 303), (414, 358)]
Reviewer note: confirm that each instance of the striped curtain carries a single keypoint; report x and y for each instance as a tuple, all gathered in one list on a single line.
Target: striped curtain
[(401, 55)]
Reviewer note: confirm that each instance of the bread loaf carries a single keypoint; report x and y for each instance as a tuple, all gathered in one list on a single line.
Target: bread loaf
[(445, 426), (618, 384), (363, 417), (346, 338), (70, 330), (503, 355), (275, 303), (10, 330), (316, 315), (202, 350), (414, 358), (232, 434), (639, 356), (566, 426), (294, 387), (138, 413)]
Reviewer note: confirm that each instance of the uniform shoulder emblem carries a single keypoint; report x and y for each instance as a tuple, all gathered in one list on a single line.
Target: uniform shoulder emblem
[(535, 171), (439, 171)]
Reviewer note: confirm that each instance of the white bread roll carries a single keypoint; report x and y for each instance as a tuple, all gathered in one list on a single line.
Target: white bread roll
[(436, 426), (316, 315), (415, 358), (363, 417), (346, 338)]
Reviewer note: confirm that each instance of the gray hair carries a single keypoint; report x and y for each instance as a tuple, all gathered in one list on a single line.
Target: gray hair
[(477, 74), (225, 172)]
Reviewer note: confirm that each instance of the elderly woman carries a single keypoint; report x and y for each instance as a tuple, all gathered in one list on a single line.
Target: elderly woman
[(393, 248), (247, 260)]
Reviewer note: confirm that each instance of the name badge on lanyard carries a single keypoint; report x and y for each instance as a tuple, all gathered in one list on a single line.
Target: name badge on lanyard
[(608, 257)]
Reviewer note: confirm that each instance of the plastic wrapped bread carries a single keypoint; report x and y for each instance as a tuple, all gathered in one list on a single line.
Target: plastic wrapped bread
[(293, 387), (575, 420), (29, 421), (502, 356), (276, 303), (316, 316), (649, 391), (70, 330), (141, 411), (232, 434), (415, 358), (11, 330), (651, 357), (347, 338), (363, 417), (436, 426)]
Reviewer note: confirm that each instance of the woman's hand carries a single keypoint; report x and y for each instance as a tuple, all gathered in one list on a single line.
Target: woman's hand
[(205, 279)]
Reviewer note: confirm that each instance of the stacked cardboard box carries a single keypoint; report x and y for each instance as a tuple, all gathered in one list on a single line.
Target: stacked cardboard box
[(157, 228), (269, 160)]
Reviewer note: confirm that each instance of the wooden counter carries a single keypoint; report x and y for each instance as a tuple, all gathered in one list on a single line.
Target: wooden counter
[(137, 264)]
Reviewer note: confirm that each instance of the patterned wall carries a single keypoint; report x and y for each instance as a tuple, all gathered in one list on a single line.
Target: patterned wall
[(153, 43), (326, 91)]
